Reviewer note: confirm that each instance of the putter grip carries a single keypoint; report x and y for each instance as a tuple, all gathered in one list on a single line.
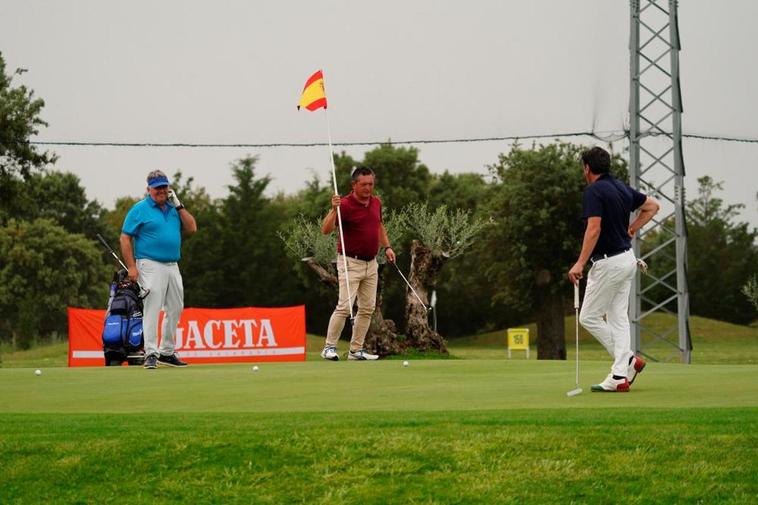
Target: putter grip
[(576, 295)]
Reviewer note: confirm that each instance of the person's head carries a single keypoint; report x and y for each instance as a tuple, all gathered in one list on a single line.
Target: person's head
[(596, 160), (157, 186), (362, 182)]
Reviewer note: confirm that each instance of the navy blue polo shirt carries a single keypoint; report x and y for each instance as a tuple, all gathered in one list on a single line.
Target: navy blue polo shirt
[(613, 202), (157, 233)]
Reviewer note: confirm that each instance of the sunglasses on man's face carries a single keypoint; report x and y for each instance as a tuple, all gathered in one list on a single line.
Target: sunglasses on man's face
[(160, 188)]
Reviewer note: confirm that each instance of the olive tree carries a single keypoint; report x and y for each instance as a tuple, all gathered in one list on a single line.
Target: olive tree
[(437, 236)]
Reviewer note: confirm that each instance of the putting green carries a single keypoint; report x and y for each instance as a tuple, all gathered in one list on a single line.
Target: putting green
[(318, 386)]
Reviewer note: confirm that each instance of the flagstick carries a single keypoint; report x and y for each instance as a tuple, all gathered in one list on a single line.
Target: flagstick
[(339, 215)]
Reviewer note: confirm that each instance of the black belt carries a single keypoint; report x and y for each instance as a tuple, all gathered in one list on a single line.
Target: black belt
[(598, 257), (362, 258)]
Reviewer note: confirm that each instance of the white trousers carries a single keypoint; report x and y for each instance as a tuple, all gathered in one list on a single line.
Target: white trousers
[(167, 293), (606, 305)]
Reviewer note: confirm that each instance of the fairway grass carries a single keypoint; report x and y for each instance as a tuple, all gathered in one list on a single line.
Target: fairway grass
[(438, 431)]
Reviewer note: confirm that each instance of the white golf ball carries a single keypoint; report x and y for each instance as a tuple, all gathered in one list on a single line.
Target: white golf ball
[(405, 363), (38, 372), (255, 368)]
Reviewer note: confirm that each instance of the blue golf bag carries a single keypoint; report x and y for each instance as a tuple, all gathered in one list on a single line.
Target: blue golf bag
[(122, 331)]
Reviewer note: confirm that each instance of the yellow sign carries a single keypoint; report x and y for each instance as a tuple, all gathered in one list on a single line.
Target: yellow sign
[(518, 340)]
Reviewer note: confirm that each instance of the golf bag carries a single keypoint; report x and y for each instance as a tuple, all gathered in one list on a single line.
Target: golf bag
[(122, 332)]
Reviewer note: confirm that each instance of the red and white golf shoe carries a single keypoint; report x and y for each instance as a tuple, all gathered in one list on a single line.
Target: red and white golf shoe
[(611, 385)]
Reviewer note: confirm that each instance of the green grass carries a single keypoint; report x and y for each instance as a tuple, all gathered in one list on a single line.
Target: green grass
[(553, 456), (477, 429), (713, 342), (439, 431), (319, 386), (43, 355)]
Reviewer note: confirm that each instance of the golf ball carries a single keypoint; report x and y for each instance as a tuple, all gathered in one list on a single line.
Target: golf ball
[(255, 368), (405, 363), (38, 372)]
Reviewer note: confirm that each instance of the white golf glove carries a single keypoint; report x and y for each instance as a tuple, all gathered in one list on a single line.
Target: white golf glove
[(642, 265), (174, 200)]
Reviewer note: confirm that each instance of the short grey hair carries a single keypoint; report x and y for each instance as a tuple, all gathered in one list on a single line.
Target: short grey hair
[(154, 174)]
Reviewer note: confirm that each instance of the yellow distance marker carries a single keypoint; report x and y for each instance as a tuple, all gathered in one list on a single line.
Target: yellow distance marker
[(518, 340)]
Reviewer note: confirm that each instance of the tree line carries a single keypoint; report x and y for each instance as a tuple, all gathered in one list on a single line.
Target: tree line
[(524, 216)]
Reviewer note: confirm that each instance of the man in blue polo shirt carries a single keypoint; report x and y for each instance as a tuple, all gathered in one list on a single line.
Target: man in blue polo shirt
[(606, 206), (151, 240)]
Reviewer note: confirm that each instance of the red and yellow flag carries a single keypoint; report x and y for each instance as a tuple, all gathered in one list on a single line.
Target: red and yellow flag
[(314, 96)]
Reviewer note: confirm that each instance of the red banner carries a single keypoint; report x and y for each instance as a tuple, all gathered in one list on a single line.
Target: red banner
[(206, 335)]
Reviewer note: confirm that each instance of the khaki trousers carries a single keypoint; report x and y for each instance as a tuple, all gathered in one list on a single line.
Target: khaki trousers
[(363, 277)]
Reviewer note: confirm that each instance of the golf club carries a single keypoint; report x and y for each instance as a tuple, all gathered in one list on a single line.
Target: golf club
[(428, 308), (577, 390), (108, 248)]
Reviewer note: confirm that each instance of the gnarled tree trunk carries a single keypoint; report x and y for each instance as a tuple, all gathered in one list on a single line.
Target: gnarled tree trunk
[(382, 333), (425, 266)]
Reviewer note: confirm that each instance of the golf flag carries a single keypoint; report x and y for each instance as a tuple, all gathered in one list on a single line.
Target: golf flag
[(314, 96)]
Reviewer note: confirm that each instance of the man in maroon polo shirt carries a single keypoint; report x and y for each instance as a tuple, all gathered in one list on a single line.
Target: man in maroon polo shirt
[(363, 231)]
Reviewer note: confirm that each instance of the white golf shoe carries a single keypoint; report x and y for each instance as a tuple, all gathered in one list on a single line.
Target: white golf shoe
[(361, 355), (330, 353), (611, 385)]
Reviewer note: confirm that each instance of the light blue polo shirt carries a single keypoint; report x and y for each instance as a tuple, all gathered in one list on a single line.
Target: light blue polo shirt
[(157, 233)]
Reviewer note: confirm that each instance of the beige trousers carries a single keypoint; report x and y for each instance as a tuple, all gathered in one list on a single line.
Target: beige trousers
[(164, 282), (363, 277)]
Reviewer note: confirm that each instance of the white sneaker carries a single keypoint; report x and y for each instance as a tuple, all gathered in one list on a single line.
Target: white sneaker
[(611, 385), (330, 353), (362, 355)]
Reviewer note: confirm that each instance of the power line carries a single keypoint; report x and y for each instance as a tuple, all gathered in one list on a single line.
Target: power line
[(727, 139), (295, 144), (603, 136)]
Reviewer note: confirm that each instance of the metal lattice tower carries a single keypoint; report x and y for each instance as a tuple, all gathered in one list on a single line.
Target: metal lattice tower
[(657, 168)]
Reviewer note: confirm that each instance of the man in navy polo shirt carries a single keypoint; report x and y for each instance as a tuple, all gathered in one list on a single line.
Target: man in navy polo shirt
[(363, 230), (606, 206), (151, 240)]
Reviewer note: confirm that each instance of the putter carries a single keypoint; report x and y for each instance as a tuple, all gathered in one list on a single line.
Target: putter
[(428, 308), (577, 390)]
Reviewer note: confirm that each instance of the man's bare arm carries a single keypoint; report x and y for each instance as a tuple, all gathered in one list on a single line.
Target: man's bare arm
[(128, 254), (591, 235), (646, 212)]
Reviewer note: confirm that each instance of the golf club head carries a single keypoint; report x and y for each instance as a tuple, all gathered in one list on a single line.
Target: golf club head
[(574, 392)]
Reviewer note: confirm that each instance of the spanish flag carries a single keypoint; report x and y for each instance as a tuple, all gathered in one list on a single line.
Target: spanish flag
[(314, 96)]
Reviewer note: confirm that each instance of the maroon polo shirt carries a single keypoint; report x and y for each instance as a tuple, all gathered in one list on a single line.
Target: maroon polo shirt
[(361, 226)]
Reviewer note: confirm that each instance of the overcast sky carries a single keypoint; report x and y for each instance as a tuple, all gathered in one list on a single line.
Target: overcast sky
[(232, 72)]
